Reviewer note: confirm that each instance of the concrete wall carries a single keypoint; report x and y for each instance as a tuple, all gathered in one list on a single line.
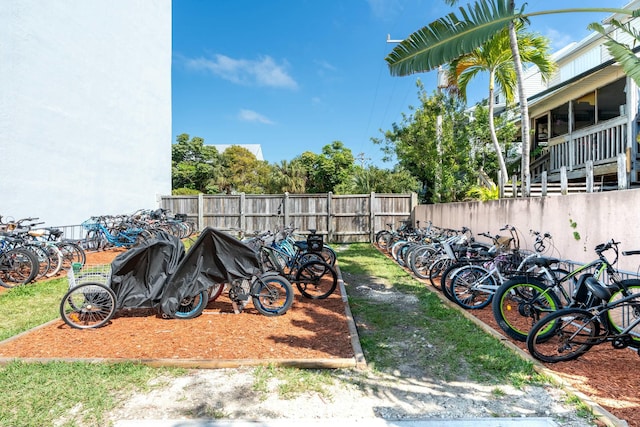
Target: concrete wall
[(85, 107), (597, 217)]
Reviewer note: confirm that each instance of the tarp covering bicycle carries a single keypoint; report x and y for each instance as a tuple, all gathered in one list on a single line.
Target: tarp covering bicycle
[(161, 274)]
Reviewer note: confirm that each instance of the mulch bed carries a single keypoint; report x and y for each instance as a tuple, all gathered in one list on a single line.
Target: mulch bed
[(312, 330)]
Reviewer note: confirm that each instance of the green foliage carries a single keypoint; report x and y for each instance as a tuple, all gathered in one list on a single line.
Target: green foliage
[(437, 155), (375, 180), (194, 165), (184, 192), (242, 172), (482, 193), (326, 171)]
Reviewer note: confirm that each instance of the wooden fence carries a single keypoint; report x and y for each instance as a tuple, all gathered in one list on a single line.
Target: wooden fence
[(340, 218)]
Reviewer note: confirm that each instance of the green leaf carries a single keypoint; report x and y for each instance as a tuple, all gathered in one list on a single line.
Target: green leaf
[(450, 37)]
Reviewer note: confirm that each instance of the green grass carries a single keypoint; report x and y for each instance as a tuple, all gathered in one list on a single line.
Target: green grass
[(453, 346), (66, 394), (291, 382), (24, 307)]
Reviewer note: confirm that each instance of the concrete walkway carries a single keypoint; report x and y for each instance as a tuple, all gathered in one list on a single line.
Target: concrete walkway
[(332, 422)]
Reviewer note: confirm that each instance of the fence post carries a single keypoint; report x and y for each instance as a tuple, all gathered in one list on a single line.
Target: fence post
[(589, 172), (514, 186), (543, 186), (285, 208), (243, 218), (622, 171), (372, 217), (200, 211), (501, 183), (329, 228), (564, 181)]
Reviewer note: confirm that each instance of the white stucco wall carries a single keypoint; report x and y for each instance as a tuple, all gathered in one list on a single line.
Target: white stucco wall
[(85, 107), (595, 217)]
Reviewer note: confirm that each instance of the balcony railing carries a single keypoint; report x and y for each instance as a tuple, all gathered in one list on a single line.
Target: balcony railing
[(600, 143)]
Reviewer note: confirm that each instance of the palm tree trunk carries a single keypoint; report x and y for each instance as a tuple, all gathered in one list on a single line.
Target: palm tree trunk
[(494, 137), (524, 107)]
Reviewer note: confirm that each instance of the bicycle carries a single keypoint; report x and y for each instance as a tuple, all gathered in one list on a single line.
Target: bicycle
[(101, 234), (568, 333), (312, 275), (523, 300)]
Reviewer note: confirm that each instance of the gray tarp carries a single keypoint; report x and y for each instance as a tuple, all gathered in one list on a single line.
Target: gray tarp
[(159, 273)]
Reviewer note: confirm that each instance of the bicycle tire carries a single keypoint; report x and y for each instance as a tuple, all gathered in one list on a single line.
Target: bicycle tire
[(272, 294), (463, 283), (563, 335), (89, 305), (437, 268), (520, 302), (419, 261), (316, 279), (192, 306), (18, 266), (71, 253), (620, 317), (55, 260)]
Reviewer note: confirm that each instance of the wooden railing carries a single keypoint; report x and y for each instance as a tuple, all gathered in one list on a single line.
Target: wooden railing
[(600, 144)]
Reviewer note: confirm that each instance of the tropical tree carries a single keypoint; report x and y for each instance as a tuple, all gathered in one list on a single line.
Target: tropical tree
[(433, 144), (372, 179), (452, 36), (495, 58), (289, 177), (242, 172), (194, 165), (327, 170)]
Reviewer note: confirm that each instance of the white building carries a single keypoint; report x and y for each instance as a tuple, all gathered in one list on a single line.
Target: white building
[(85, 107)]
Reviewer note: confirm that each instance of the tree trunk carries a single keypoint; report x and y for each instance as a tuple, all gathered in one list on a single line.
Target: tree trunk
[(524, 107), (492, 131)]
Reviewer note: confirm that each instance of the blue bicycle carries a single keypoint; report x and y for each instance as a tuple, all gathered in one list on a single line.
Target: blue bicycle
[(104, 232)]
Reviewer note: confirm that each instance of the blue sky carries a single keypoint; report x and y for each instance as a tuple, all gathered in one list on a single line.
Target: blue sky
[(296, 75)]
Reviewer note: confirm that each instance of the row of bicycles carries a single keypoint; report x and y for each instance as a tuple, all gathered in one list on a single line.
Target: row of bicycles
[(560, 308), (158, 274), (128, 230), (28, 253)]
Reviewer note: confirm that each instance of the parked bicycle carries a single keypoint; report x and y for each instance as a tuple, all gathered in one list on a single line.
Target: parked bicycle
[(568, 333)]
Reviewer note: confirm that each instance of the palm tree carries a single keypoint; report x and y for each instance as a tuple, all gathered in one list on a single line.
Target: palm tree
[(452, 36), (495, 57)]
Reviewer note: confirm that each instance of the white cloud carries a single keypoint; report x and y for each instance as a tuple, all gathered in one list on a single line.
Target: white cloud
[(261, 72), (558, 39), (252, 116)]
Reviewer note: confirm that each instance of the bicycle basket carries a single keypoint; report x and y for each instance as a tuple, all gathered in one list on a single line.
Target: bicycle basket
[(79, 274), (314, 243)]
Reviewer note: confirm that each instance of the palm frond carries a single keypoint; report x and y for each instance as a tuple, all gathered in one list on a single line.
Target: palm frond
[(450, 37), (622, 53)]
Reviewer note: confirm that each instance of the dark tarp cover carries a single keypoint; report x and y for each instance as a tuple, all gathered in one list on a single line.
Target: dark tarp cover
[(139, 275), (158, 272), (216, 257)]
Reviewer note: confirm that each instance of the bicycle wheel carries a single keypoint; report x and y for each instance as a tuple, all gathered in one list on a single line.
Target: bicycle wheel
[(17, 267), (89, 305), (420, 260), (71, 253), (215, 291), (272, 294), (437, 268), (382, 239), (42, 257), (316, 279), (329, 255), (623, 315), (470, 287), (563, 335), (193, 306), (520, 302), (55, 260)]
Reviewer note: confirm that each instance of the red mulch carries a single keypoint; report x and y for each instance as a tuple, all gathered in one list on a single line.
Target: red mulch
[(310, 330)]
